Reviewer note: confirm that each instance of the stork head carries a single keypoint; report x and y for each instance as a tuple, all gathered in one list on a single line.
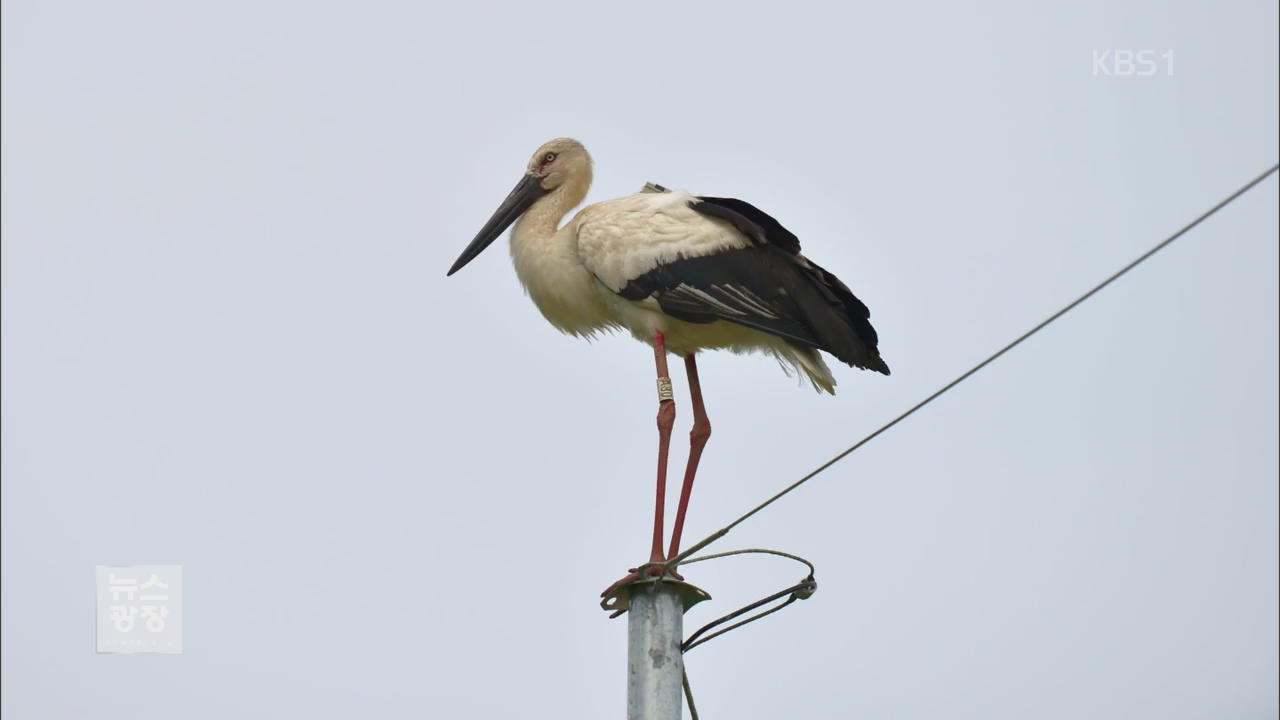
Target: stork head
[(559, 171), (562, 164)]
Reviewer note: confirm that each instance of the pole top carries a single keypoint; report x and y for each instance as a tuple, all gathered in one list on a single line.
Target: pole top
[(619, 601)]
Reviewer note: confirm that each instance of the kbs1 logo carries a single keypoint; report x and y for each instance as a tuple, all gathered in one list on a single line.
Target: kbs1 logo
[(1132, 63)]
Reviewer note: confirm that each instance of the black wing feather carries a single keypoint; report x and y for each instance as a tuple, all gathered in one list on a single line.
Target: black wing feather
[(727, 286), (768, 286), (763, 288), (763, 228), (751, 220)]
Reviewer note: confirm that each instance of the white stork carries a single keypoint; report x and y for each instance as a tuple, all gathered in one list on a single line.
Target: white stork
[(682, 274)]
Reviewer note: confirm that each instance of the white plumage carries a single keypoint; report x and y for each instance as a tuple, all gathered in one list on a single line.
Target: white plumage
[(619, 240)]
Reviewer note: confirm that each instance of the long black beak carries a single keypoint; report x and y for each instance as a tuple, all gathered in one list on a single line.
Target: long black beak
[(525, 193)]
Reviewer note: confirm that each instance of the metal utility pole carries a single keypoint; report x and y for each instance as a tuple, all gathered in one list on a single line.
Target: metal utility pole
[(655, 630)]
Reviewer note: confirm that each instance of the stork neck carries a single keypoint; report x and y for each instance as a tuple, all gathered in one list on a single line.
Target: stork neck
[(543, 219)]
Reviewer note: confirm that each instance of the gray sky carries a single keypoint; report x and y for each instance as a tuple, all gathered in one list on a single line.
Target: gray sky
[(229, 344)]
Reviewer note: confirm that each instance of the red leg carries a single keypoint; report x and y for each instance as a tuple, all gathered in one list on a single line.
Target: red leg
[(697, 440), (666, 418)]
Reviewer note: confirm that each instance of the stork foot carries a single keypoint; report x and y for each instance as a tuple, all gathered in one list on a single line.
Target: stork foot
[(647, 570)]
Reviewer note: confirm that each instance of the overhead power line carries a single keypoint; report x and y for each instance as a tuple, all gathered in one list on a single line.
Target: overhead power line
[(970, 372)]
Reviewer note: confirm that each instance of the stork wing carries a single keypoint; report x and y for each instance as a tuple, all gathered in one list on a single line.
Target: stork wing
[(742, 286), (763, 288), (622, 239), (751, 220), (708, 259), (762, 227)]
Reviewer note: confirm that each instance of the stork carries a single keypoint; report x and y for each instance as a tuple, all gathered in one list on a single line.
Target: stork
[(682, 274)]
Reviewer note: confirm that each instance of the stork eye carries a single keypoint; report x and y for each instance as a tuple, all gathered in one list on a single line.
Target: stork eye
[(549, 157)]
